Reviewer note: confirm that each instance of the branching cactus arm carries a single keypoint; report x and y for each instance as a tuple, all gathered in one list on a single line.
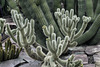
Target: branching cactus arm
[(56, 47), (67, 22), (25, 33), (48, 30), (86, 20)]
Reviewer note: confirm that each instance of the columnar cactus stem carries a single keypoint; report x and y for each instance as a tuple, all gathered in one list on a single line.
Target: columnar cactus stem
[(69, 4), (2, 22), (25, 33), (89, 33), (97, 11), (81, 12), (89, 8)]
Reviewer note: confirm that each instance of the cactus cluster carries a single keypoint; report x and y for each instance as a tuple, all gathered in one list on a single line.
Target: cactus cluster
[(8, 51), (56, 45), (40, 11), (89, 8), (67, 22)]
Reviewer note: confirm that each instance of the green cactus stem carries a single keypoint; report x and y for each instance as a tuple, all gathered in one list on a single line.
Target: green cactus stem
[(69, 4), (8, 51), (56, 45), (89, 33), (81, 12), (89, 8), (2, 22), (25, 33), (67, 22), (97, 11)]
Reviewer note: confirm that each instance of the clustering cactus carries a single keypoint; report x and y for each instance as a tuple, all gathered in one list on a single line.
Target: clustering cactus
[(41, 12), (56, 46), (8, 51), (90, 8), (67, 22)]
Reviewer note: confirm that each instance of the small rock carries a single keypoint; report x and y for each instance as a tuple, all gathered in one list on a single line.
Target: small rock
[(32, 64), (90, 50), (77, 49), (89, 65), (24, 56), (11, 63), (96, 58)]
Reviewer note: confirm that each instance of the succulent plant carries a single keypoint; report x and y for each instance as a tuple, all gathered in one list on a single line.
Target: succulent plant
[(55, 45), (40, 11), (8, 51), (2, 23)]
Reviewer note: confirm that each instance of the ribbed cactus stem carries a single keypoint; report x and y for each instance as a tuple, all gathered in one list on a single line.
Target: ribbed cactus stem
[(97, 11), (69, 4), (89, 8), (89, 33), (2, 22)]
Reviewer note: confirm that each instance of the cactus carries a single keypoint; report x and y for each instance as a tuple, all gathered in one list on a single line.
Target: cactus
[(81, 12), (41, 12), (56, 46), (67, 22), (68, 5), (25, 32), (89, 33), (2, 22), (8, 51)]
